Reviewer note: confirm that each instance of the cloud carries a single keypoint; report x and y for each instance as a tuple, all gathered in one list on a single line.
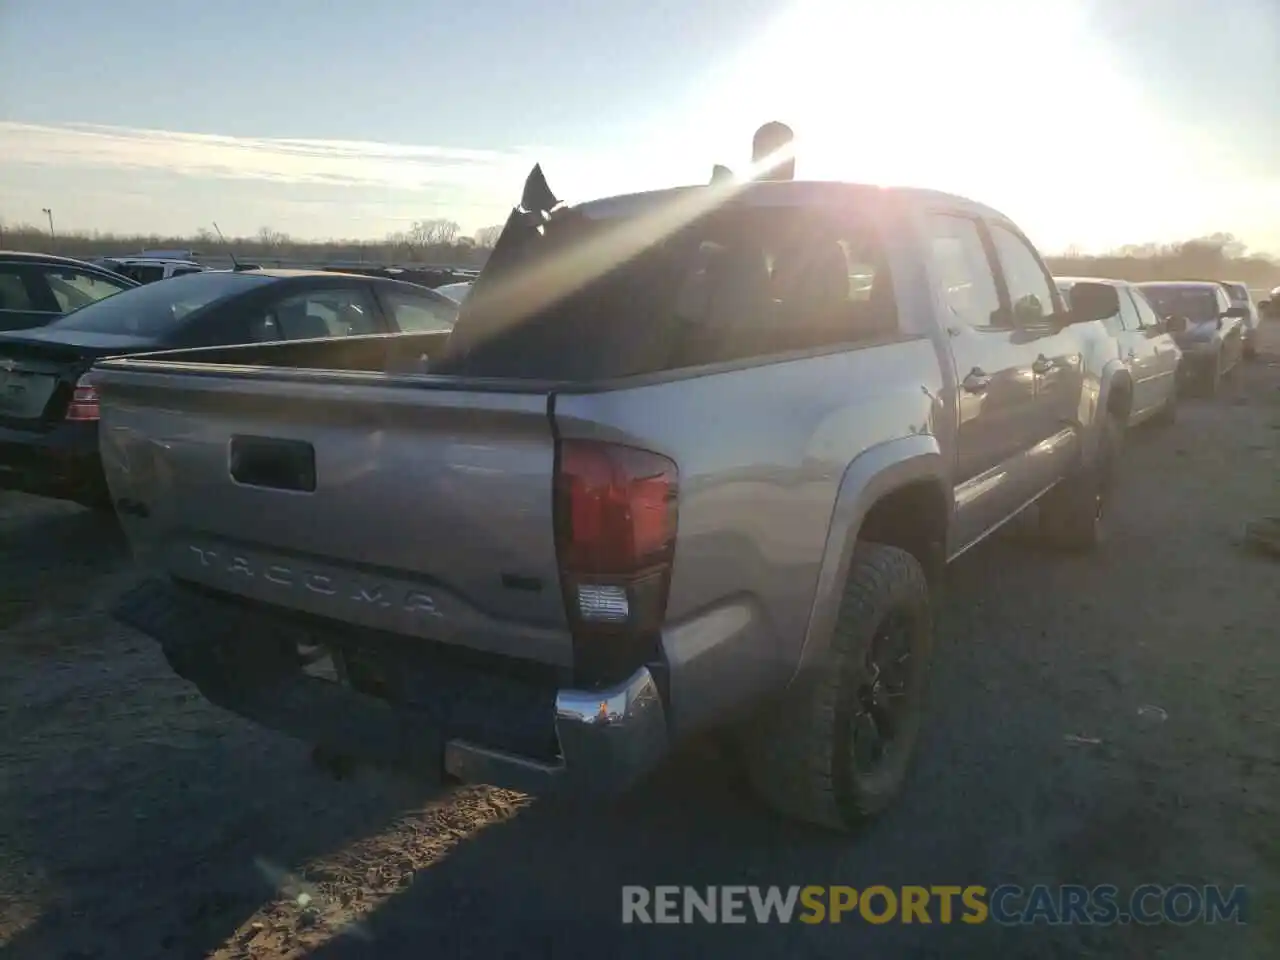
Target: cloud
[(292, 161)]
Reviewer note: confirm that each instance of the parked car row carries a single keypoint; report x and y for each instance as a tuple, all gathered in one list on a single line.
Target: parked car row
[(684, 465), (49, 412)]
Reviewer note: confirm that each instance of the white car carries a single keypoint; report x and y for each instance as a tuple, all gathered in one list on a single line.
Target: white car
[(457, 292), (150, 269), (1144, 345)]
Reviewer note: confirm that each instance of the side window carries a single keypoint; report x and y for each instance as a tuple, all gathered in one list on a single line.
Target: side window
[(73, 289), (1146, 315), (182, 271), (317, 313), (13, 291), (148, 274), (1030, 289), (1128, 311), (828, 282), (963, 269), (415, 314)]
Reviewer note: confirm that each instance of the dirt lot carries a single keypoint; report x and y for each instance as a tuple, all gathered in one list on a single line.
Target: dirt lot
[(137, 822)]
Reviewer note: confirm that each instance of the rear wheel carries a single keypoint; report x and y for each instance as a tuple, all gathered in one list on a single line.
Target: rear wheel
[(838, 746), (1073, 514)]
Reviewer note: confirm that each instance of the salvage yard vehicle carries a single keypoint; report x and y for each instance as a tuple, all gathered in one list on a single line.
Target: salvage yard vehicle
[(49, 412), (36, 288), (1240, 298), (679, 469), (150, 269), (1209, 330), (1145, 346)]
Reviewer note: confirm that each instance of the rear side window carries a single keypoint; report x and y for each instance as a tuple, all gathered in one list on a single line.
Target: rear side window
[(341, 312), (13, 291), (74, 289), (593, 299), (420, 314)]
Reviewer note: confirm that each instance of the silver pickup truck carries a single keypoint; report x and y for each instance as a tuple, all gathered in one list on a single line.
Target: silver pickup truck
[(690, 463)]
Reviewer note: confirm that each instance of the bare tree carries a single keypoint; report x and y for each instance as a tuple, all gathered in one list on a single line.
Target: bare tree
[(269, 237), (433, 233), (488, 236)]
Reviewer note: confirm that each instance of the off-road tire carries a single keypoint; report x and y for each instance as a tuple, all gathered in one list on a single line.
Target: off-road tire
[(1073, 514), (799, 752)]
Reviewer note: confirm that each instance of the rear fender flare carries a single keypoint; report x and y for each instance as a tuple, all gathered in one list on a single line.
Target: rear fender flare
[(1115, 376), (871, 475)]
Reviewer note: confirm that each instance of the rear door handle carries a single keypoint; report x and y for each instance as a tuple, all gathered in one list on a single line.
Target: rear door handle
[(1042, 365), (1133, 355), (977, 381)]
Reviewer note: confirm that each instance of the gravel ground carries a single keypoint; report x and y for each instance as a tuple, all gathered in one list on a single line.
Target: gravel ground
[(138, 822)]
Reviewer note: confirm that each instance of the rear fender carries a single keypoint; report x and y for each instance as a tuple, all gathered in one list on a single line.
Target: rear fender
[(872, 475), (1115, 377)]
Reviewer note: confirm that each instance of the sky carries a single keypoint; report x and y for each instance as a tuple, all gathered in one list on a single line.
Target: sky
[(1092, 123)]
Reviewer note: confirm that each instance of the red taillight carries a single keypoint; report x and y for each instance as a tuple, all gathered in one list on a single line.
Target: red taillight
[(616, 534), (84, 401)]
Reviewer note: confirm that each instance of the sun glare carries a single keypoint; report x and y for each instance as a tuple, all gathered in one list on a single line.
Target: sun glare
[(1011, 103)]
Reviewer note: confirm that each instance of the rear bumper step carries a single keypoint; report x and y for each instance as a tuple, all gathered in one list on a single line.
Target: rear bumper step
[(243, 659)]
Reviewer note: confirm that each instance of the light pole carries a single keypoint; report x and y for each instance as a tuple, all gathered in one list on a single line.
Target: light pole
[(49, 213)]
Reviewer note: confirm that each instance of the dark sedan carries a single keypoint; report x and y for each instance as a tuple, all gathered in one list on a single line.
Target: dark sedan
[(49, 413), (36, 288)]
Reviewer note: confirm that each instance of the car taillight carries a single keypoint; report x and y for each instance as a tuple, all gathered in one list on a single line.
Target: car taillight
[(84, 401), (615, 511)]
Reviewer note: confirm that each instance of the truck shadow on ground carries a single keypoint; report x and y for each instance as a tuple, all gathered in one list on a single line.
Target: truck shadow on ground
[(164, 849)]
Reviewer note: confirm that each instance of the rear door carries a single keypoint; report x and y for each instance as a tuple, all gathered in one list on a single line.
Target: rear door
[(1050, 349), (1164, 350), (996, 386), (1138, 350)]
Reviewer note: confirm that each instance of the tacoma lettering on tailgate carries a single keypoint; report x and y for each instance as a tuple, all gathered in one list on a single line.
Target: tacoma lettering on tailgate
[(309, 581)]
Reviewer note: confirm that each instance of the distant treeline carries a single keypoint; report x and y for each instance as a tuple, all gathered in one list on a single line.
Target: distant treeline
[(427, 241), (1217, 257)]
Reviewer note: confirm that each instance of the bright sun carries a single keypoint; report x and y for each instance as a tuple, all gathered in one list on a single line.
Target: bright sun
[(1012, 103)]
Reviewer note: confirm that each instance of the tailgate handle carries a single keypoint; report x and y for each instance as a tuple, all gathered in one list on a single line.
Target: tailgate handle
[(277, 464)]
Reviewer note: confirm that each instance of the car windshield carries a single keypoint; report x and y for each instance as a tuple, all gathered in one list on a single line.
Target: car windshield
[(1197, 304), (155, 309)]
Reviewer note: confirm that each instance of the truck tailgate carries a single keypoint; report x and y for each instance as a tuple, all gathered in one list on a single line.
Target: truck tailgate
[(390, 503)]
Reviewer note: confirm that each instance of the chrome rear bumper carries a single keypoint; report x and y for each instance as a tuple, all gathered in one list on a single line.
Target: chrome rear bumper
[(609, 739)]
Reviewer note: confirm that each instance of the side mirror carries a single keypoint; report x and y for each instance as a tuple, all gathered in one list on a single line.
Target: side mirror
[(1093, 301), (1175, 324), (1239, 313)]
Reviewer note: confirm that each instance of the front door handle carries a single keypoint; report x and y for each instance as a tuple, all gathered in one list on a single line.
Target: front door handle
[(1042, 365), (1132, 355), (976, 381)]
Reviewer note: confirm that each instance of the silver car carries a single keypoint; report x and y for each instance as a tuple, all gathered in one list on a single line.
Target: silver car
[(1144, 345)]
